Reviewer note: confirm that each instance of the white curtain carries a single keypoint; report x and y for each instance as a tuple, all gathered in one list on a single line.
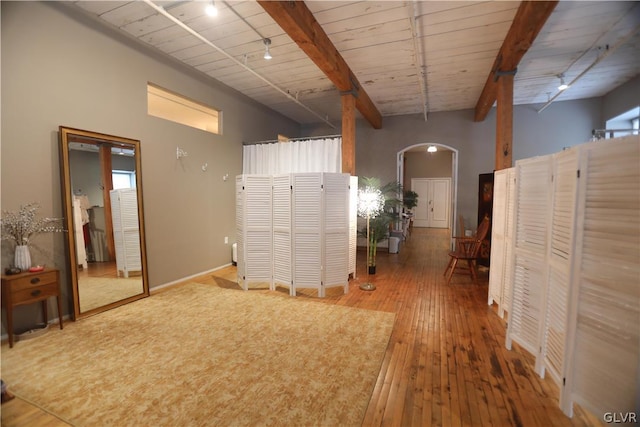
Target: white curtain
[(314, 155)]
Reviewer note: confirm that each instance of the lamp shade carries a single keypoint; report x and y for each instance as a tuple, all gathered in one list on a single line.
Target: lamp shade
[(370, 202)]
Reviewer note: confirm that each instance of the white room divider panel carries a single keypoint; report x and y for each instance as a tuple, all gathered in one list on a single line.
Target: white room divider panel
[(126, 230), (307, 230), (606, 352), (564, 191), (576, 288), (509, 240), (353, 224), (496, 267), (240, 229), (282, 254), (500, 271), (533, 179), (294, 230), (335, 231), (254, 236)]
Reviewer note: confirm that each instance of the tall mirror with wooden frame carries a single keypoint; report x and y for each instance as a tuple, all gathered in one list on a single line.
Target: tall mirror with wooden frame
[(102, 193)]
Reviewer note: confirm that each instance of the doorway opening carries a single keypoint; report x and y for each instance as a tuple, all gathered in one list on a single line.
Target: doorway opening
[(412, 163)]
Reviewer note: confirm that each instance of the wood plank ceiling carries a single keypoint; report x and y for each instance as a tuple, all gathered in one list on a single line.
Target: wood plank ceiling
[(411, 57)]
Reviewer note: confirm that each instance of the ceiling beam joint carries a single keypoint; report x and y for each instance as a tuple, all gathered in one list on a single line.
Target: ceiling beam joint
[(527, 23), (352, 91), (499, 74), (295, 18)]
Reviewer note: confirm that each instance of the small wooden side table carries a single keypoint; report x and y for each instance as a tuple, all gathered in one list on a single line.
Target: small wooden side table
[(28, 288)]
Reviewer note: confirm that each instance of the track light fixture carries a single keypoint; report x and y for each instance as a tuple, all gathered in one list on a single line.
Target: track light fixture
[(267, 43), (563, 85), (432, 149), (211, 8)]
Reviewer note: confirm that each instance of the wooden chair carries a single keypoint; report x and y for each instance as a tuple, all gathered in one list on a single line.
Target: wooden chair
[(461, 222), (467, 249), (407, 225)]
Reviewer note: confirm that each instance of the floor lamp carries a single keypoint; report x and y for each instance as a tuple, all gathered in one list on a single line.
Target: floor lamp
[(370, 204)]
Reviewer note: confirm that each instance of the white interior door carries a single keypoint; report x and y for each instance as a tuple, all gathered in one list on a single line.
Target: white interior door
[(434, 202)]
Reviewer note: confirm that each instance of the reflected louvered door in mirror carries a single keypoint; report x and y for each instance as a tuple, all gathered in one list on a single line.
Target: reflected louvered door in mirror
[(533, 179), (126, 231)]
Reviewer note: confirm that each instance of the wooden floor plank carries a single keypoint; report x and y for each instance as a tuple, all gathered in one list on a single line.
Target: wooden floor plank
[(446, 362)]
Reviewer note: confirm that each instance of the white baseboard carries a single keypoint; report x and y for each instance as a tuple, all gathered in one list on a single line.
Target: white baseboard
[(184, 279)]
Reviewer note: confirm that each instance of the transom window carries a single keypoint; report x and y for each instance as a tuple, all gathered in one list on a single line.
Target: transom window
[(179, 109)]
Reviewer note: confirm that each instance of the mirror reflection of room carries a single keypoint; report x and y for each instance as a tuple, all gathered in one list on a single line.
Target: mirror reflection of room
[(108, 251)]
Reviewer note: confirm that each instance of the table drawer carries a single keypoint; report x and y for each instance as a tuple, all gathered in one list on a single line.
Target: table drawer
[(35, 280), (36, 293)]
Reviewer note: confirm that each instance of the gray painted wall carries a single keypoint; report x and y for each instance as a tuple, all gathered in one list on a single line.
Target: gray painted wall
[(61, 70), (621, 99), (421, 164), (562, 124)]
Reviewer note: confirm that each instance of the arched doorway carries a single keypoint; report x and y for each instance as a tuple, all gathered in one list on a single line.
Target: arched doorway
[(421, 149)]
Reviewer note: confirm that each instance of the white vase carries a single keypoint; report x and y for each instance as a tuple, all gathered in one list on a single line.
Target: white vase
[(22, 258)]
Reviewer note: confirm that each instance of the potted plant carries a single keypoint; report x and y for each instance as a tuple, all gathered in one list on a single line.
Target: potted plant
[(20, 227), (409, 199), (379, 204)]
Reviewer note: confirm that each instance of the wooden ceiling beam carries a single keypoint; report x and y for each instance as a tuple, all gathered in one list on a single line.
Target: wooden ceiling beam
[(299, 23), (529, 20)]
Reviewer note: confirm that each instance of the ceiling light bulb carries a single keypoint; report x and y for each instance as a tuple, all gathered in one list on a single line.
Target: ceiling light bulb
[(267, 54), (211, 9), (432, 149)]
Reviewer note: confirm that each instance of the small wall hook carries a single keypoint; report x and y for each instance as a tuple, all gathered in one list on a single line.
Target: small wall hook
[(204, 167), (180, 153)]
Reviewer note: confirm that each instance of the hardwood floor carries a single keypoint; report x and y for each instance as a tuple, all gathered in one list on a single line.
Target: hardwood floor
[(99, 269), (446, 363)]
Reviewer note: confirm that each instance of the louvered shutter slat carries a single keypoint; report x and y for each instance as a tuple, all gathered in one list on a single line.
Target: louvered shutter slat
[(532, 205), (307, 243), (561, 244)]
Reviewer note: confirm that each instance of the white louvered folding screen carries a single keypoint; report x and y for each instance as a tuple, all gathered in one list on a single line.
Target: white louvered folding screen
[(606, 354), (294, 230), (335, 226), (532, 205), (256, 255), (509, 242), (307, 230), (353, 224), (561, 235), (498, 223), (126, 230), (282, 254), (501, 269), (240, 229)]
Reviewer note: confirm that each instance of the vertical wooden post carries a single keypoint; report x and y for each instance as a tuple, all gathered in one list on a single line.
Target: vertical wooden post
[(107, 186), (504, 122), (348, 133)]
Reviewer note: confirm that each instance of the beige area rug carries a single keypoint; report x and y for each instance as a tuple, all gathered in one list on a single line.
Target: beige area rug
[(198, 355), (98, 291)]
